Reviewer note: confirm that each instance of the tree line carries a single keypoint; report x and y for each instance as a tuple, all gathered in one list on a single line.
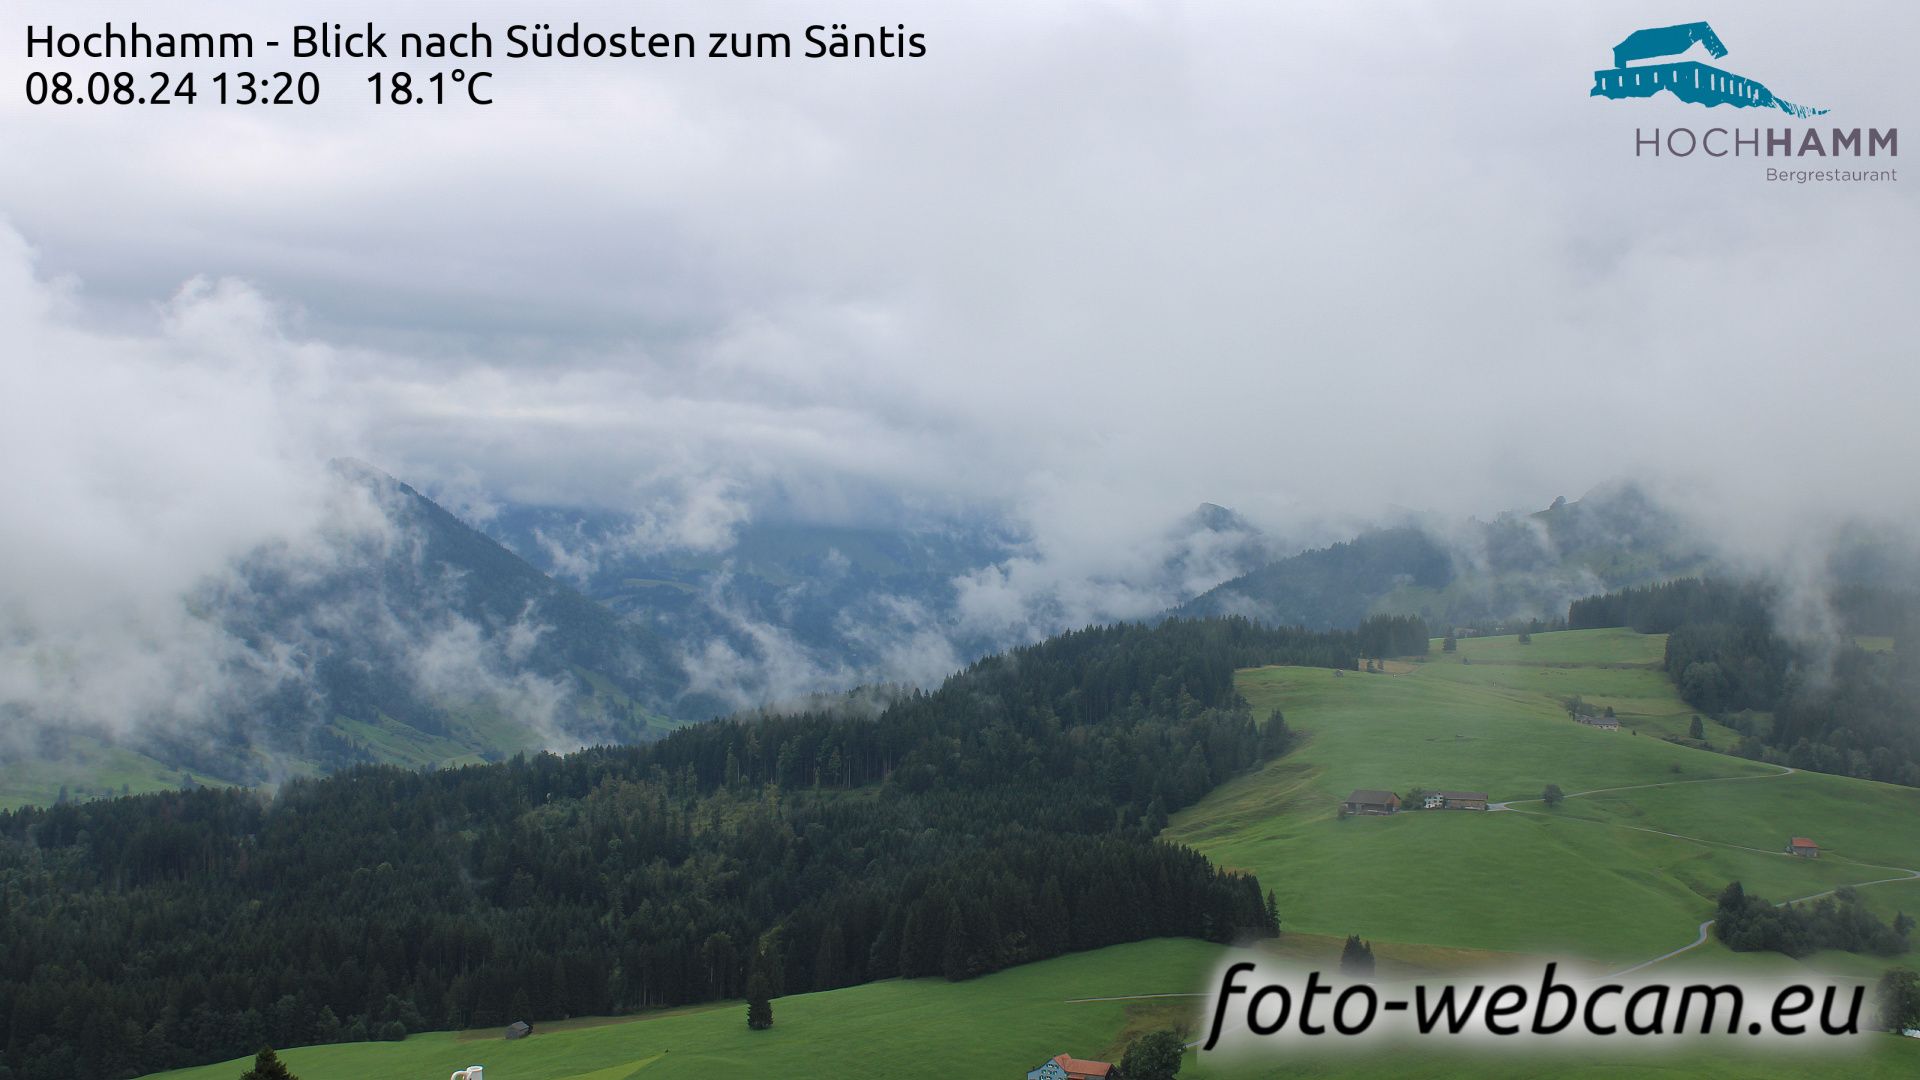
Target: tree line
[(1008, 816), (1748, 923), (1393, 635), (1801, 693)]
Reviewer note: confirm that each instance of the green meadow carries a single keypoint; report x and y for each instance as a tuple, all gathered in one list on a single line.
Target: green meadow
[(88, 769), (1854, 821), (1596, 880), (999, 1025)]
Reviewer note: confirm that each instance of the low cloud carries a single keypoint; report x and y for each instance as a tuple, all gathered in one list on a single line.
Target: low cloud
[(1084, 266), (699, 514)]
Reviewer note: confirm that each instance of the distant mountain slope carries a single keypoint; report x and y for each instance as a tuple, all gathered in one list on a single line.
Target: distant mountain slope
[(432, 639), (1336, 586), (1515, 567), (407, 638), (803, 576), (782, 609), (785, 608)]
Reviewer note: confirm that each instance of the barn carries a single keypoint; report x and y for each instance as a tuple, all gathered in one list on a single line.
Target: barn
[(1371, 801)]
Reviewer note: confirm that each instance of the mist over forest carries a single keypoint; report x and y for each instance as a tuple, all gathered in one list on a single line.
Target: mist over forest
[(814, 399)]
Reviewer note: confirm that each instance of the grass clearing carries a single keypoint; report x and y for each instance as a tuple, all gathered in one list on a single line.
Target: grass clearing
[(88, 769), (1563, 882)]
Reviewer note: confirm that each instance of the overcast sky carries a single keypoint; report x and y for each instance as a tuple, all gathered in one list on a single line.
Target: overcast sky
[(1085, 263)]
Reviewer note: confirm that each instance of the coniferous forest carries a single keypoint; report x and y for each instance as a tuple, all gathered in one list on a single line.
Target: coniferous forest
[(1802, 694), (1007, 816), (1841, 920)]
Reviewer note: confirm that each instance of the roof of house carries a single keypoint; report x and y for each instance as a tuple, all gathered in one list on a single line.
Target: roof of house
[(1077, 1067), (1801, 841), (1463, 796), (1371, 795)]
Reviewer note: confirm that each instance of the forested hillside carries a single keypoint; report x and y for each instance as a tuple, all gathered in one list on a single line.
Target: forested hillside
[(399, 635), (1802, 696), (1336, 586), (773, 608), (1005, 817), (437, 630)]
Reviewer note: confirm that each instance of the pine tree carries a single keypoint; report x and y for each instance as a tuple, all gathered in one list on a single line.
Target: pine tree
[(759, 1003), (1273, 914), (923, 938), (1275, 736), (1733, 901), (1356, 958), (267, 1066), (1052, 934), (830, 959), (955, 961)]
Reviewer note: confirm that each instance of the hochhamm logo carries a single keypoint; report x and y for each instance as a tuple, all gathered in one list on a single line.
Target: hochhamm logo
[(1688, 80), (1655, 60)]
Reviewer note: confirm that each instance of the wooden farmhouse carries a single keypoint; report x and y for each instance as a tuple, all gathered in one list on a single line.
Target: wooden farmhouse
[(1370, 801), (1455, 800)]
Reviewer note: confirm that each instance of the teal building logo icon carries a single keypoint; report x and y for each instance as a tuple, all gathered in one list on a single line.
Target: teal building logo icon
[(1689, 80)]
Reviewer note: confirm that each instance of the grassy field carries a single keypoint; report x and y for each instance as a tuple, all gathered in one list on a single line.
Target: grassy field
[(998, 1026), (1567, 882), (88, 769), (1594, 880), (1854, 821)]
